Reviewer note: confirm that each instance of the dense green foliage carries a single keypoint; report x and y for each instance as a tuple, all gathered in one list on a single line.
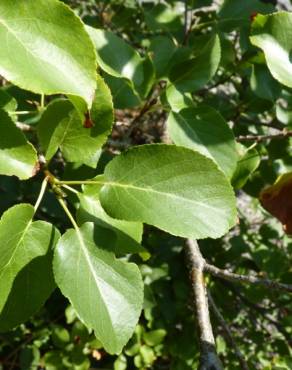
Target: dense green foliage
[(127, 127)]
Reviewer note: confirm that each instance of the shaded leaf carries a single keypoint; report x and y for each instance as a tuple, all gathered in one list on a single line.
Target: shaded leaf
[(7, 102), (124, 95), (194, 73), (162, 49), (164, 17), (248, 162), (26, 278), (263, 84), (129, 234)]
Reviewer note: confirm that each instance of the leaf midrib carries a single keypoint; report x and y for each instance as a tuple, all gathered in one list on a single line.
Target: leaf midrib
[(91, 267), (149, 189)]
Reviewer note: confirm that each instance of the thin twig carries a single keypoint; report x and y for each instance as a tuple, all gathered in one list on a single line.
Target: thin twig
[(208, 357), (135, 122), (228, 333), (258, 138), (250, 279)]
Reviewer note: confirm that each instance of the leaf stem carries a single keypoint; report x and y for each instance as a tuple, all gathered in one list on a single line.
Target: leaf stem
[(18, 113), (70, 189), (82, 182), (68, 213), (41, 194), (42, 106)]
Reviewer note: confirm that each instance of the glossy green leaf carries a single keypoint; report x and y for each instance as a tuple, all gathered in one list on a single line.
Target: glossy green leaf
[(26, 278), (61, 127), (116, 57), (45, 49), (17, 156), (271, 34), (173, 188), (205, 130), (106, 293), (129, 234), (194, 73)]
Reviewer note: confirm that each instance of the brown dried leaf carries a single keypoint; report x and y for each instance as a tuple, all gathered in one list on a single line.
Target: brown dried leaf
[(277, 200)]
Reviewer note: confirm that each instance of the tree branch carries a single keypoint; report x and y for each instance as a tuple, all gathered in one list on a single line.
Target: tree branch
[(228, 275), (258, 138), (228, 333), (209, 359)]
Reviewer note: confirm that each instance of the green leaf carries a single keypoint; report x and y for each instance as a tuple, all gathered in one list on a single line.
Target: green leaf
[(7, 102), (234, 14), (173, 188), (45, 49), (164, 17), (269, 32), (60, 336), (154, 337), (106, 293), (162, 49), (129, 234), (17, 156), (120, 363), (124, 95), (177, 99), (149, 77), (61, 127), (205, 130), (26, 278), (248, 162), (116, 57), (194, 73), (263, 84)]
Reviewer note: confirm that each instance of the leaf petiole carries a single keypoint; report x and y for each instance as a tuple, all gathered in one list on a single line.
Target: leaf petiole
[(69, 188), (82, 182), (68, 213), (41, 194)]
